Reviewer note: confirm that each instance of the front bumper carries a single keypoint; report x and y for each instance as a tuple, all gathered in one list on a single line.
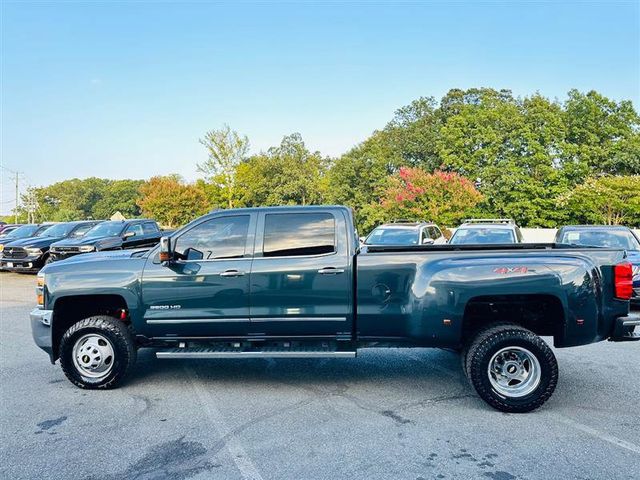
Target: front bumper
[(41, 329), (625, 327), (26, 264), (57, 256)]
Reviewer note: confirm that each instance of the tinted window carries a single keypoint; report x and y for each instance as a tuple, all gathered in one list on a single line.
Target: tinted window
[(482, 236), (149, 228), (601, 238), (224, 237), (433, 233), (299, 234), (137, 229)]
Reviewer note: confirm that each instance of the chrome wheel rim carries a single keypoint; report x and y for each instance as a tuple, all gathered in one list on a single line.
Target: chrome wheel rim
[(93, 355), (514, 372)]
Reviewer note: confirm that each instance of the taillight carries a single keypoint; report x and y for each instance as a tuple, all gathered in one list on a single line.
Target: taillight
[(623, 281)]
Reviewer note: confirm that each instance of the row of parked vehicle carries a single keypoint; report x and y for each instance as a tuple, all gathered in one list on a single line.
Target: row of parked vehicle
[(495, 231), (27, 248)]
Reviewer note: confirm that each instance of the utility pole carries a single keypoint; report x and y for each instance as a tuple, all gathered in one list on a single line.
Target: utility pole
[(16, 210)]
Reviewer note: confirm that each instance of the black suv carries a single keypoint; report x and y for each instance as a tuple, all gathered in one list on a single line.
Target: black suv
[(32, 253), (112, 235)]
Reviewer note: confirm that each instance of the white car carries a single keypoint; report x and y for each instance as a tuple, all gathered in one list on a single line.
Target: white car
[(403, 232)]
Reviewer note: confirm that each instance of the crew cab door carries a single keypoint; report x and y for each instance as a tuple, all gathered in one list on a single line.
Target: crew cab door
[(207, 294), (301, 282)]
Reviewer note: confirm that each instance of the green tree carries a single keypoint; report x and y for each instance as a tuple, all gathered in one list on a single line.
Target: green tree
[(288, 174), (612, 200), (602, 133), (118, 196), (357, 177), (171, 201), (225, 150)]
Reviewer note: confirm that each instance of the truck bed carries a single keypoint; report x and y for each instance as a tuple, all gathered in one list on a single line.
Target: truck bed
[(429, 294)]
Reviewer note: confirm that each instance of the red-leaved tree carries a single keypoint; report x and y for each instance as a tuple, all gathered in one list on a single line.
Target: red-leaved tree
[(443, 197)]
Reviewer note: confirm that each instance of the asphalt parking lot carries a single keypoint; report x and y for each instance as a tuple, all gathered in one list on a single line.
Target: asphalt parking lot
[(389, 414)]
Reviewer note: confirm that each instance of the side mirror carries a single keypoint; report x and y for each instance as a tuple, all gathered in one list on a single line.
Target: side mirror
[(193, 254), (427, 241), (362, 239), (129, 234), (166, 251)]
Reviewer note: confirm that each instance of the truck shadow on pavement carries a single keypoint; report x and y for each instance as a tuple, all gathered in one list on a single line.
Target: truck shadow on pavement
[(374, 372)]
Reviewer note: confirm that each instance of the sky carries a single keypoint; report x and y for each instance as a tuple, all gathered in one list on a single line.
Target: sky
[(125, 89)]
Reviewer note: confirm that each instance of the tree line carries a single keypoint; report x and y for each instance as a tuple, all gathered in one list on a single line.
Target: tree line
[(476, 152)]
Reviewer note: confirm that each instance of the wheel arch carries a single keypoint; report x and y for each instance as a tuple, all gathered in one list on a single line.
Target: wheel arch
[(70, 309), (543, 314)]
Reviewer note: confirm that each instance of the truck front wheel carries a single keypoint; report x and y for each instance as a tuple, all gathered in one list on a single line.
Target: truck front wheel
[(97, 352), (511, 368)]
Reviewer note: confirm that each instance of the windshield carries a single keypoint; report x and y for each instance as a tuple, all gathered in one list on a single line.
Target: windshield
[(58, 230), (464, 236), (105, 229), (601, 238), (23, 231), (81, 230), (393, 236)]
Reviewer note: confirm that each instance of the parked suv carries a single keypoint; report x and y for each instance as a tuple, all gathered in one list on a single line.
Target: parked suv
[(406, 232), (489, 231), (113, 235), (609, 236), (32, 253)]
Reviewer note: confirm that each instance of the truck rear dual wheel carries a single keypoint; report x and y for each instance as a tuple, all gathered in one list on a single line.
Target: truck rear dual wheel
[(511, 368), (97, 352)]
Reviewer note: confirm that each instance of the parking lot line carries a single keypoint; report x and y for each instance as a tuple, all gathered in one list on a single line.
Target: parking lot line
[(239, 455), (632, 447)]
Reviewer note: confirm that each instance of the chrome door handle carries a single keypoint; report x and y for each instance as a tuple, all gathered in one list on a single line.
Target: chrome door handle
[(232, 273), (330, 271)]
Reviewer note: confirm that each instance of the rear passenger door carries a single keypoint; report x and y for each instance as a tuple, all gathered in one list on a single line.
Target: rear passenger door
[(301, 282)]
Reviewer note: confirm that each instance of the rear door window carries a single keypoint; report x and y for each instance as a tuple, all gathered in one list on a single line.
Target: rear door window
[(149, 228), (299, 234)]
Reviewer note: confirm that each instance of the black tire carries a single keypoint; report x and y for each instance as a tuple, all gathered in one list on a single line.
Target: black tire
[(122, 344), (487, 343)]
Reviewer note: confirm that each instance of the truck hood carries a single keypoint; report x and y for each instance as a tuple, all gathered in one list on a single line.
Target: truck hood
[(101, 256), (33, 242), (98, 242)]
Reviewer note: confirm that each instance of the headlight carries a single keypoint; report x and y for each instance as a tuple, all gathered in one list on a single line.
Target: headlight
[(1, 247), (40, 290), (635, 270), (86, 248), (33, 251)]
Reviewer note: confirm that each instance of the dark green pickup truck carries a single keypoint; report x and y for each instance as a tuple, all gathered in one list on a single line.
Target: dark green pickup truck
[(292, 282)]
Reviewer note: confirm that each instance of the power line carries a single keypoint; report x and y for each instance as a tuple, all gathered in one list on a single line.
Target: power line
[(16, 179)]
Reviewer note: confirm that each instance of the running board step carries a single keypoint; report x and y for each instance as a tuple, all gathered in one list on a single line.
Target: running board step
[(212, 353)]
